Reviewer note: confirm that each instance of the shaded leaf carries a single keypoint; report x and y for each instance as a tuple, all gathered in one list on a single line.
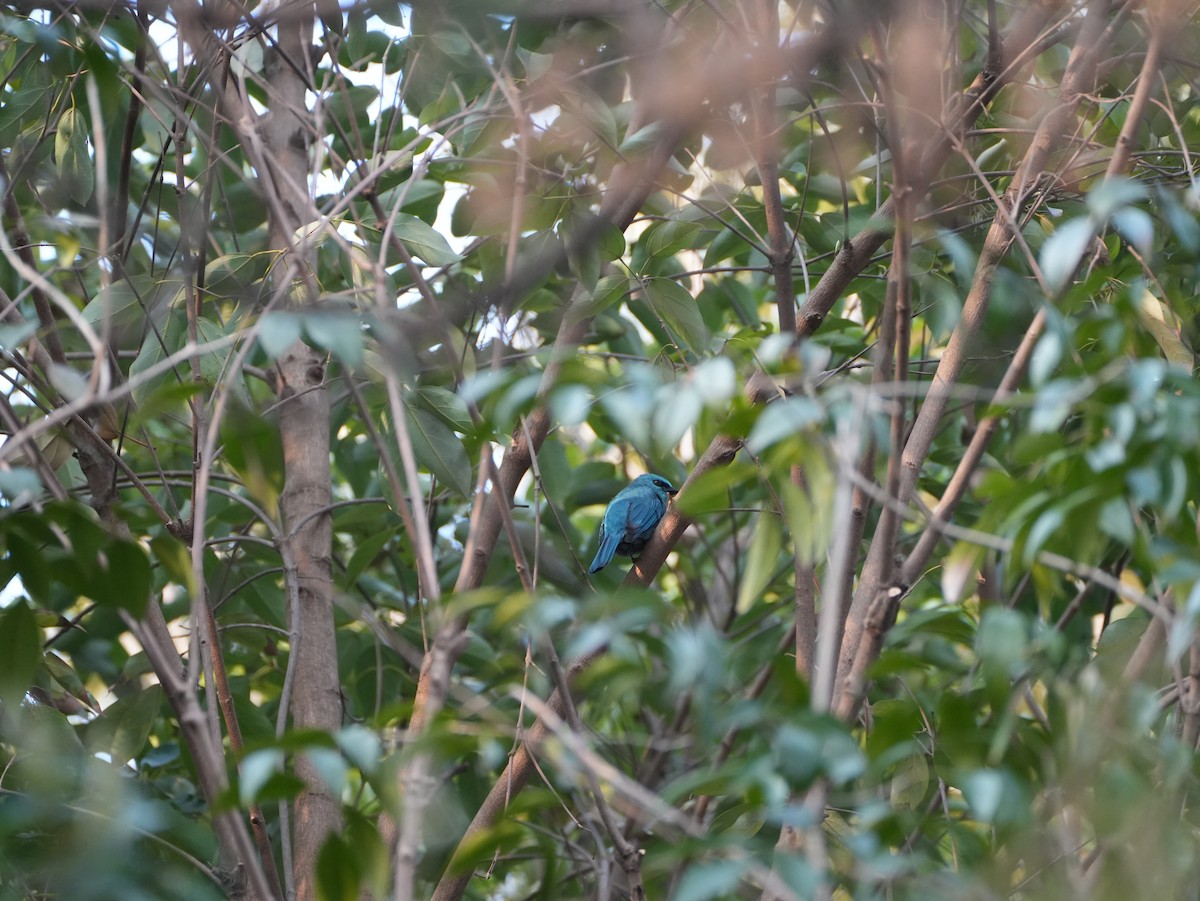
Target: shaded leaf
[(20, 651), (678, 311), (439, 450), (71, 156)]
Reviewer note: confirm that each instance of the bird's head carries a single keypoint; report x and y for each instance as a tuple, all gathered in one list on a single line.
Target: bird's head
[(657, 484)]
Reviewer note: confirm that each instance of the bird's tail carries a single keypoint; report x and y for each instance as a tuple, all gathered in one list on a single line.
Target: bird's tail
[(604, 554)]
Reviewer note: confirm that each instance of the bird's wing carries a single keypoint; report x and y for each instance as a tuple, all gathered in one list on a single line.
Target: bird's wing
[(642, 514)]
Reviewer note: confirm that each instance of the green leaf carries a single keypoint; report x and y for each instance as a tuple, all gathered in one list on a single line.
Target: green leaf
[(606, 292), (338, 870), (122, 729), (1063, 250), (439, 450), (995, 797), (13, 336), (1136, 227), (677, 309), (19, 484), (642, 139), (706, 881), (445, 405), (1001, 642), (364, 555), (781, 420), (125, 578), (957, 569), (764, 560), (710, 492), (910, 783), (20, 651), (361, 746), (1113, 194), (175, 558), (67, 381), (585, 265), (236, 274), (423, 241), (257, 769), (536, 64), (277, 332), (71, 156), (676, 412), (339, 333)]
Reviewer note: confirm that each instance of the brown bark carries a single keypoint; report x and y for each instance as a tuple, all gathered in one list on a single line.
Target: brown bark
[(959, 115), (874, 600), (277, 145)]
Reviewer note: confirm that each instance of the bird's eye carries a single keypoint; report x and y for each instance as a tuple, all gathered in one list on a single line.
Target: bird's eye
[(661, 484)]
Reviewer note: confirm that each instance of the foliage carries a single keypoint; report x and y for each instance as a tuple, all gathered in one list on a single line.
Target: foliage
[(904, 296)]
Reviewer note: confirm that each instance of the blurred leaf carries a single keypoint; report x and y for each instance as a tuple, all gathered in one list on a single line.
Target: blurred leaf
[(1164, 326), (338, 875), (13, 335), (995, 797), (361, 747), (20, 651), (1137, 228), (781, 420), (706, 881), (256, 770), (339, 333), (679, 409), (277, 332), (1002, 641), (763, 563), (19, 485), (957, 569), (1112, 195), (643, 139), (67, 381), (1063, 250)]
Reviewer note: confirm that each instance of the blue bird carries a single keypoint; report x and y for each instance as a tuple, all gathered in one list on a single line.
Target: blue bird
[(630, 518)]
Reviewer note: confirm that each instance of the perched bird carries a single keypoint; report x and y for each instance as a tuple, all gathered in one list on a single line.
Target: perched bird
[(630, 518)]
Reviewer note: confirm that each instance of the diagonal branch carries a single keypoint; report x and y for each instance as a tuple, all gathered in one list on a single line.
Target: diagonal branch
[(875, 600)]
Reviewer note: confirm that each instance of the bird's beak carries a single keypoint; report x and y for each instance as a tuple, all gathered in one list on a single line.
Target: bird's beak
[(673, 491)]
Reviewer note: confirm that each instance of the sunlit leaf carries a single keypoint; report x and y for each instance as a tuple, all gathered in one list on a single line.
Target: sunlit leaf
[(1063, 251)]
